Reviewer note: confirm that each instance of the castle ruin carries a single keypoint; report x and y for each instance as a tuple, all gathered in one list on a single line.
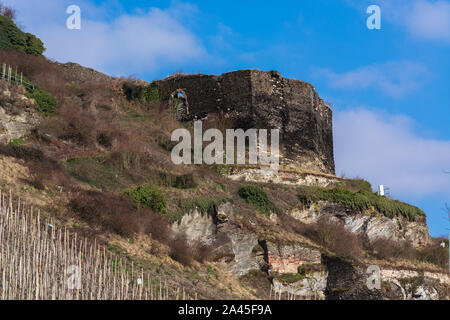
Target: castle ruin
[(260, 100)]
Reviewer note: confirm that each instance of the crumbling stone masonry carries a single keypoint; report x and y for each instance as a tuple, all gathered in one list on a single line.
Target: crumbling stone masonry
[(261, 100)]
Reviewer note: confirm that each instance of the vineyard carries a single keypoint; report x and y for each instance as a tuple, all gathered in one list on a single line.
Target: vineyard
[(39, 261)]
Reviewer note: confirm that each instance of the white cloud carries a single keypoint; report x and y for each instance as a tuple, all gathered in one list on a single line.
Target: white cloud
[(141, 42), (423, 19), (385, 149), (393, 78), (430, 20)]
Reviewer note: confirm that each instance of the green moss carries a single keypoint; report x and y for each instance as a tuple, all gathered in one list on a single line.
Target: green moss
[(151, 94), (112, 171), (220, 185), (117, 264), (222, 169), (46, 104), (73, 160), (303, 271), (257, 248), (94, 171), (15, 142), (185, 181), (211, 271), (310, 269), (168, 272), (148, 196), (141, 93), (361, 200), (289, 277), (114, 249), (256, 197)]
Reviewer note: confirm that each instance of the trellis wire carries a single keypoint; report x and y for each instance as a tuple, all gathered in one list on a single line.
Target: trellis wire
[(6, 73), (36, 257)]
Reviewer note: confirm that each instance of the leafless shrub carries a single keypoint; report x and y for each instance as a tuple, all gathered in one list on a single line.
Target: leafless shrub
[(116, 214), (201, 251), (295, 226), (38, 70), (22, 152), (112, 212), (81, 126), (49, 172), (328, 233), (180, 251), (435, 254), (389, 249), (108, 137), (43, 170), (126, 160), (8, 12), (386, 248), (334, 236)]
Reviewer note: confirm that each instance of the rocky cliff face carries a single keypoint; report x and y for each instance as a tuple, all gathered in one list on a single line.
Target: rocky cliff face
[(347, 281), (262, 100), (370, 226), (18, 115), (304, 271)]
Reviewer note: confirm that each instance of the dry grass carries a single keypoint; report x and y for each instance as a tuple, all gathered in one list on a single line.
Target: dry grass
[(117, 214), (391, 250)]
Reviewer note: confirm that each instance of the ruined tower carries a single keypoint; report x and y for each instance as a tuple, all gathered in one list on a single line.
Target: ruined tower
[(261, 100)]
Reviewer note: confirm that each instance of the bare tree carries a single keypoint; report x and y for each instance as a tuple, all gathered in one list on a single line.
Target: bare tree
[(8, 12)]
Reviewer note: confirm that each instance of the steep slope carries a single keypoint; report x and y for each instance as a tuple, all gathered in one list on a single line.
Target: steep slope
[(100, 165)]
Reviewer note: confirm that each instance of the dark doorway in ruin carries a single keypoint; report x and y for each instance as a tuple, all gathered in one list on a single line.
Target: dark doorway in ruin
[(180, 105)]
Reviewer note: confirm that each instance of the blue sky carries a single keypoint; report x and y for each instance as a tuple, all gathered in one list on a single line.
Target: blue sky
[(389, 88)]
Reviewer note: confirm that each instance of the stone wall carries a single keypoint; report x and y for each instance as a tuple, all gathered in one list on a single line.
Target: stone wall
[(263, 100), (287, 258), (305, 122), (286, 177), (347, 281)]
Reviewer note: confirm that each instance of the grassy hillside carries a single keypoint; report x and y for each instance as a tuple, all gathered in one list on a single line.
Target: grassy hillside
[(99, 164)]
